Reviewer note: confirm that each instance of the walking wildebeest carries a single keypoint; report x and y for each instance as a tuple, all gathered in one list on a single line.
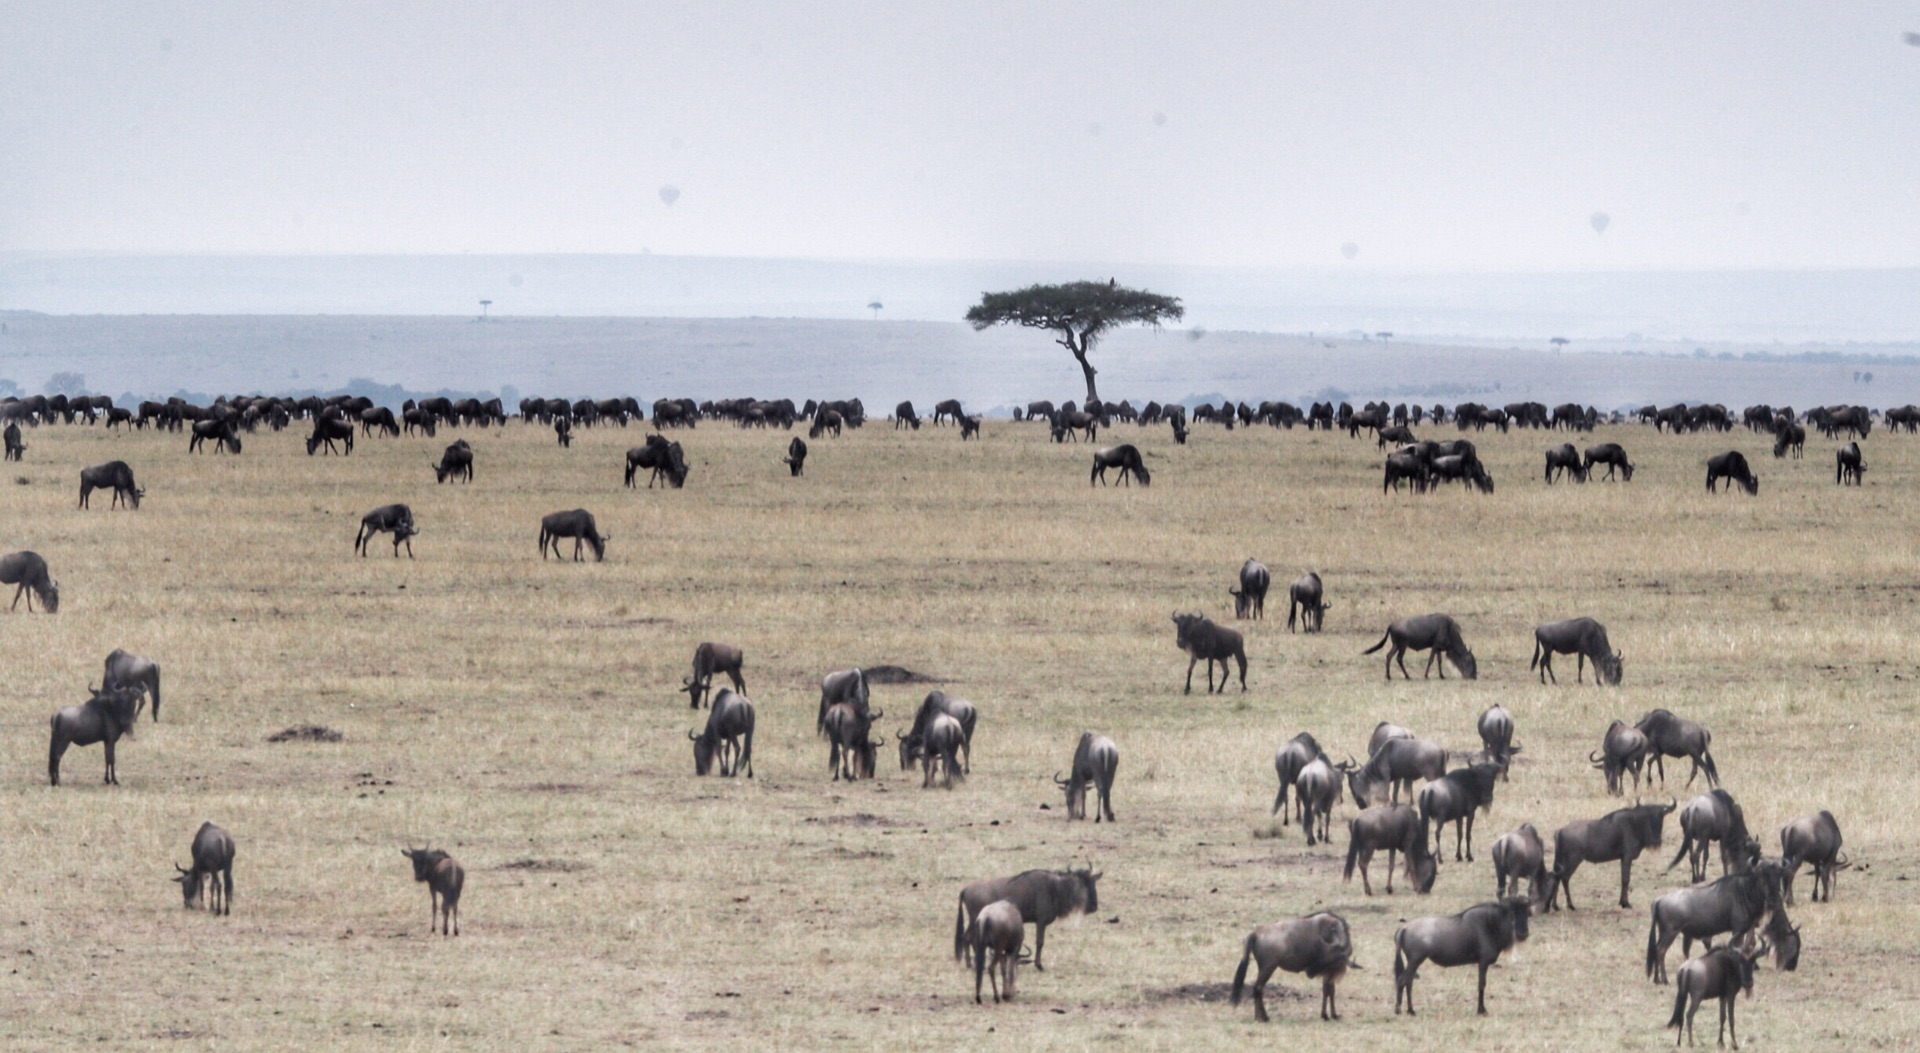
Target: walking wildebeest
[(847, 685), (1670, 736), (327, 431), (1582, 637), (109, 714), (444, 878), (212, 863), (1847, 466), (1714, 816), (1124, 457), (941, 742), (1293, 758), (1732, 466), (115, 475), (1520, 854), (904, 416), (1396, 828), (1565, 460), (1318, 945), (1250, 599), (1613, 456), (1042, 897), (1622, 750), (1722, 975), (1496, 737), (1197, 635), (796, 459), (665, 460), (1475, 936), (1732, 906), (29, 571), (995, 937), (15, 448), (947, 411), (1453, 798), (578, 525), (1095, 760), (708, 659), (1437, 632), (394, 519), (729, 735), (1304, 597), (1621, 834), (1812, 839), (913, 743), (1400, 761), (220, 431), (132, 670), (456, 463), (1318, 786)]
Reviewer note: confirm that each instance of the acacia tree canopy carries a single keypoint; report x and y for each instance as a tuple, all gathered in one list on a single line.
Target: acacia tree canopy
[(1079, 313)]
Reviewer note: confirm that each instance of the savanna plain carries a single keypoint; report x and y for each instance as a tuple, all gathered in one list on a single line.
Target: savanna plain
[(526, 716)]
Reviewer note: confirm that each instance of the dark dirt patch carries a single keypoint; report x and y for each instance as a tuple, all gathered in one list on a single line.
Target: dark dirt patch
[(858, 853), (1209, 994), (556, 787), (306, 733), (179, 1033), (856, 819), (551, 866), (893, 674)]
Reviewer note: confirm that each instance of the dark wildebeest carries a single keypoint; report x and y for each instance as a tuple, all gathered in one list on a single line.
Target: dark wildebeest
[(1622, 750), (1465, 470), (563, 432), (1613, 456), (708, 659), (1621, 834), (796, 460), (666, 460), (1318, 787), (109, 714), (1714, 816), (212, 866), (394, 519), (970, 429), (29, 571), (220, 431), (1042, 897), (1812, 839), (1406, 466), (1095, 760), (947, 411), (1723, 974), (578, 525), (1521, 854), (326, 432), (15, 448), (1582, 637), (1788, 436), (1293, 758), (1126, 458), (1072, 423), (1496, 737), (132, 670), (1670, 736), (1454, 798), (847, 685), (1197, 635), (1732, 906), (941, 742), (824, 421), (1437, 632), (1400, 761), (1565, 460), (444, 878), (1475, 936), (728, 735), (1319, 945), (115, 475), (1384, 733), (1304, 596), (995, 937), (1396, 828), (913, 744), (1847, 466), (1250, 599), (904, 416), (1731, 466), (456, 462), (852, 752)]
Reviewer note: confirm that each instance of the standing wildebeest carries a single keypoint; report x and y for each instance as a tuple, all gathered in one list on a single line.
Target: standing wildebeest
[(942, 742), (1722, 975), (904, 416), (1789, 436), (1565, 460), (1453, 798), (455, 463), (1408, 466), (708, 659), (444, 878), (1732, 466), (1583, 637), (1621, 834), (1496, 737), (1812, 839), (132, 670), (1521, 854), (1304, 597), (396, 519), (327, 431), (1622, 750), (1250, 599), (220, 431), (1384, 733), (1293, 758), (1714, 816), (1200, 638), (1670, 736), (563, 432), (1437, 632), (947, 412), (1042, 897), (1318, 787), (1732, 906), (1847, 465), (1400, 761), (212, 863), (114, 474), (578, 525), (796, 460), (970, 429), (666, 460), (29, 571), (913, 744), (1124, 457), (823, 421), (1094, 762), (1319, 945), (1613, 456), (1475, 936), (851, 749), (1396, 828), (995, 938), (109, 714), (847, 685), (729, 734), (15, 448)]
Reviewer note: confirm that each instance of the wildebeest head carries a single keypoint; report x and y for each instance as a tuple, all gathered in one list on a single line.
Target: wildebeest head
[(122, 704), (189, 885), (703, 746), (911, 747), (50, 596), (1088, 879), (424, 860), (1463, 660)]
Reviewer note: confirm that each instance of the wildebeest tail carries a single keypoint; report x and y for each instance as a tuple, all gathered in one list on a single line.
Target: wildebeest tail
[(1353, 848), (960, 931), (1653, 942), (1240, 974), (1383, 642), (1679, 1009), (1536, 654), (1706, 762), (1686, 845), (1399, 954), (979, 944)]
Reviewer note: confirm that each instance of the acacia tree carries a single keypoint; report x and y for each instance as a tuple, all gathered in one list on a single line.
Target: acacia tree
[(1080, 313)]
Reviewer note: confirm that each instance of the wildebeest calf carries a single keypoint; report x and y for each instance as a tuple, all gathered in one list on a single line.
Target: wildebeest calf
[(995, 937), (394, 519), (1723, 975), (1319, 945), (444, 878)]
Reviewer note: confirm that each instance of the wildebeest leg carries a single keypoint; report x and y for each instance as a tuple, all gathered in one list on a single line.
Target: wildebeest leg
[(16, 598), (1482, 1010), (1190, 663), (60, 746), (1328, 1010), (1399, 654), (111, 778), (1039, 944), (1241, 657), (1726, 1006), (1260, 992), (1626, 878)]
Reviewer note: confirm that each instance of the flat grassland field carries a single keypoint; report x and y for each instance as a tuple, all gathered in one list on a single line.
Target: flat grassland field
[(526, 715)]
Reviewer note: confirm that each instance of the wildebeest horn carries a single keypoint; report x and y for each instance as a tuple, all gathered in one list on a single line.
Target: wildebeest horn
[(875, 715), (1841, 862), (181, 869), (1058, 781), (1595, 757), (1513, 747), (691, 737), (1672, 803)]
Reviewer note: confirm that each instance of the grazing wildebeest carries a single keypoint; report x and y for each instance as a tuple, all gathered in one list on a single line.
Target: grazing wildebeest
[(1565, 460), (1462, 469), (1095, 760), (394, 519), (904, 416), (1732, 906), (132, 670), (913, 743), (970, 429), (995, 937), (1437, 632), (456, 462), (1496, 737), (444, 879), (109, 714), (947, 411), (941, 743), (1250, 599), (1396, 828), (1622, 750), (1847, 466), (1042, 897), (1722, 975), (15, 448), (115, 475), (1293, 758), (1318, 945), (1812, 839), (212, 866), (847, 685), (1621, 834), (1304, 596), (1732, 466), (1400, 761), (1318, 787), (1670, 736), (1521, 854), (578, 525), (29, 571), (1197, 635), (728, 734), (1124, 457), (563, 432), (1407, 466), (1714, 816), (327, 431), (666, 460), (1475, 936), (1613, 456), (1072, 423), (796, 459), (852, 752), (708, 659), (1454, 798), (220, 431), (1583, 637), (824, 421), (1788, 436)]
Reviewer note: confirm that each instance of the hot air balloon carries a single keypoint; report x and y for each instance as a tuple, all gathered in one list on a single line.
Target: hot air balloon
[(669, 194), (1600, 221)]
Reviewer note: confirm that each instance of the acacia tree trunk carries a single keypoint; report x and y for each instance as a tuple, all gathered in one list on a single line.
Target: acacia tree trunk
[(1080, 344)]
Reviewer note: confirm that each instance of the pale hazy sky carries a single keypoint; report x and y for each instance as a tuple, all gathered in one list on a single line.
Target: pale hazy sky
[(1431, 136)]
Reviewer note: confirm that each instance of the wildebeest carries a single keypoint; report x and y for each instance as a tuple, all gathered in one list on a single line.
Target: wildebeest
[(1582, 637), (796, 459), (1813, 839), (1437, 632), (578, 525), (728, 735), (1293, 758), (456, 462), (15, 448), (1732, 466), (109, 714), (1723, 974), (1072, 423), (1042, 897), (1496, 737), (212, 866), (1095, 760), (1384, 733), (132, 670), (394, 519), (1713, 816), (708, 659), (665, 460), (1318, 786), (1518, 854), (1197, 635), (947, 411), (970, 429), (563, 432), (1405, 466), (937, 703), (1847, 466), (1304, 597), (28, 570), (327, 431), (1671, 736), (1460, 468), (444, 879), (1622, 750), (1475, 936), (1731, 906), (852, 752), (1621, 834), (1399, 761), (115, 475), (846, 685), (1613, 456), (995, 937), (824, 421), (1454, 798), (1788, 436), (1395, 828), (904, 416), (220, 431), (1125, 457), (941, 743), (1318, 945), (1565, 460), (1250, 599)]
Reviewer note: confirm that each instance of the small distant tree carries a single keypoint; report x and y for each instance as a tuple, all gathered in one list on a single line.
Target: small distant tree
[(65, 383), (484, 304), (1559, 343), (875, 307), (1078, 313), (1385, 337)]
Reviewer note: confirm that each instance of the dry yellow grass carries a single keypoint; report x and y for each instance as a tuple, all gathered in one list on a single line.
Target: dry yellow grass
[(525, 716)]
